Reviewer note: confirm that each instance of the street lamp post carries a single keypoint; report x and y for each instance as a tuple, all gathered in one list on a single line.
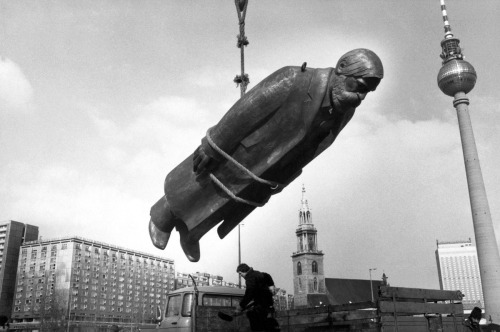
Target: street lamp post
[(239, 256), (239, 253), (371, 283)]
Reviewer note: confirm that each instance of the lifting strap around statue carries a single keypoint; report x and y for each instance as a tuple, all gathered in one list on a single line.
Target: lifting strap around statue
[(272, 184)]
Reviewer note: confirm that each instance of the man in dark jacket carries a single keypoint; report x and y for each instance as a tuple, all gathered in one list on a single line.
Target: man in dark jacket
[(260, 146), (472, 323), (258, 299)]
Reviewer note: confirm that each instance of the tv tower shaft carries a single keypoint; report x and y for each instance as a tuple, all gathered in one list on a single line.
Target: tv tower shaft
[(456, 78)]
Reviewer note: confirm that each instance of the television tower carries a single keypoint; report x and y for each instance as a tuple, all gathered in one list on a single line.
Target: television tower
[(456, 78)]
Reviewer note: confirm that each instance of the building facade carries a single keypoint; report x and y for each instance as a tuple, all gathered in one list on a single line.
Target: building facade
[(458, 269), (282, 300), (12, 236), (202, 279), (308, 273), (94, 283)]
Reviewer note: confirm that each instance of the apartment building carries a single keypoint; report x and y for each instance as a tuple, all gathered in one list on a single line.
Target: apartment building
[(458, 268), (12, 236), (94, 283)]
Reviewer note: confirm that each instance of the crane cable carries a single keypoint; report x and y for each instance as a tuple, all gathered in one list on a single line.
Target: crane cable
[(241, 81)]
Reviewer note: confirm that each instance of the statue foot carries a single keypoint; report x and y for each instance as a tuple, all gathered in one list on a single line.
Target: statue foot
[(161, 223), (158, 237), (191, 249)]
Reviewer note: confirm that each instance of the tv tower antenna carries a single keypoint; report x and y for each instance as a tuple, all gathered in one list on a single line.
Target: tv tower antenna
[(456, 78)]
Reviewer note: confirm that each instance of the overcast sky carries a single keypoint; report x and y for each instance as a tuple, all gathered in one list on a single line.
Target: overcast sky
[(99, 100)]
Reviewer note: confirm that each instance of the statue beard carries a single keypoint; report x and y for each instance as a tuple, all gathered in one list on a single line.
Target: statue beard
[(341, 99)]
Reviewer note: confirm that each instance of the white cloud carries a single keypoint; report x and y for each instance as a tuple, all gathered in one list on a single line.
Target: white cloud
[(16, 92), (66, 201), (161, 134), (158, 122)]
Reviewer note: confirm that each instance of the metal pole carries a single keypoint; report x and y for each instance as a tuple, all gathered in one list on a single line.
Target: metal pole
[(371, 283), (239, 255)]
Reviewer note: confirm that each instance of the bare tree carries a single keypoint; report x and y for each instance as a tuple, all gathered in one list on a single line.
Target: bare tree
[(51, 308)]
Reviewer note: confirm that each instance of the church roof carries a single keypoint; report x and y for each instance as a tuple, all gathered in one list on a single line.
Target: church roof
[(342, 291), (317, 300)]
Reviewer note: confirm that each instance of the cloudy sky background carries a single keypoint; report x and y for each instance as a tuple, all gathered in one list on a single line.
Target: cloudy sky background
[(99, 100)]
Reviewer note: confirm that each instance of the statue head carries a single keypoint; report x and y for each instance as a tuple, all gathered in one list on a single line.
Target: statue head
[(360, 62), (357, 72)]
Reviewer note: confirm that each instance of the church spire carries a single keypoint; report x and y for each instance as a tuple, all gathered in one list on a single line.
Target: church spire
[(304, 212), (306, 232)]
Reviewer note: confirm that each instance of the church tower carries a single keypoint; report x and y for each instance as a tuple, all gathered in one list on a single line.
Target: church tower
[(308, 274)]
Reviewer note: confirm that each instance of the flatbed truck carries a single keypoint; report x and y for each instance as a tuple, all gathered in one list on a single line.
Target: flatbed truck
[(195, 309)]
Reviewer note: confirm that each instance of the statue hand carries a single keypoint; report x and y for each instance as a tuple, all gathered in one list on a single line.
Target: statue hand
[(204, 158)]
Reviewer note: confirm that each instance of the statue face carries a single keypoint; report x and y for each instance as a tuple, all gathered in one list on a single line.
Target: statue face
[(342, 99), (348, 92)]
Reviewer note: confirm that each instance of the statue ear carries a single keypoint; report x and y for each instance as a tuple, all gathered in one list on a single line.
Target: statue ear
[(340, 67)]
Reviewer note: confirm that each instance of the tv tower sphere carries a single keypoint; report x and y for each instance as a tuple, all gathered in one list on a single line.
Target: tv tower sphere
[(456, 75)]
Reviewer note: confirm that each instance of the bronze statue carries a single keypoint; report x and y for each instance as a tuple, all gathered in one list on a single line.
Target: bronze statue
[(260, 146)]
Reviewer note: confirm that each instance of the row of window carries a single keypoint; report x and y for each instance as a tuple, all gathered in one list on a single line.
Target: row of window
[(98, 252), (28, 308), (84, 270), (314, 267), (314, 287), (122, 283)]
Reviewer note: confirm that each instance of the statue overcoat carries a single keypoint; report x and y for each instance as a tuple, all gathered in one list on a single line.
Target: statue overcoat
[(274, 130)]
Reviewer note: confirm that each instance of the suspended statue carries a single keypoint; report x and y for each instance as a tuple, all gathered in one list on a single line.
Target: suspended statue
[(260, 146)]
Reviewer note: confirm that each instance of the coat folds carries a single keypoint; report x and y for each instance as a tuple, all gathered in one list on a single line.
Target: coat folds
[(274, 130)]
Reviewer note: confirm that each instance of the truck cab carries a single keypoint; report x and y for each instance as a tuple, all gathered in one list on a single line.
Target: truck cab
[(194, 308)]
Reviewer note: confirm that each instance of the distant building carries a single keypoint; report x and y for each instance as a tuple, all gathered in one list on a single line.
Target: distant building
[(96, 283), (12, 236), (282, 301), (458, 269), (202, 279), (308, 274), (290, 302)]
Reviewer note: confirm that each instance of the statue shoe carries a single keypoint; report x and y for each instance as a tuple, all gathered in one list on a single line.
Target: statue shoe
[(158, 237), (191, 249)]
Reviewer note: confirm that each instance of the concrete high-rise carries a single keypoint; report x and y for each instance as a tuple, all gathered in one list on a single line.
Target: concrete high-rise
[(456, 78), (96, 283), (12, 236), (458, 269), (308, 274)]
